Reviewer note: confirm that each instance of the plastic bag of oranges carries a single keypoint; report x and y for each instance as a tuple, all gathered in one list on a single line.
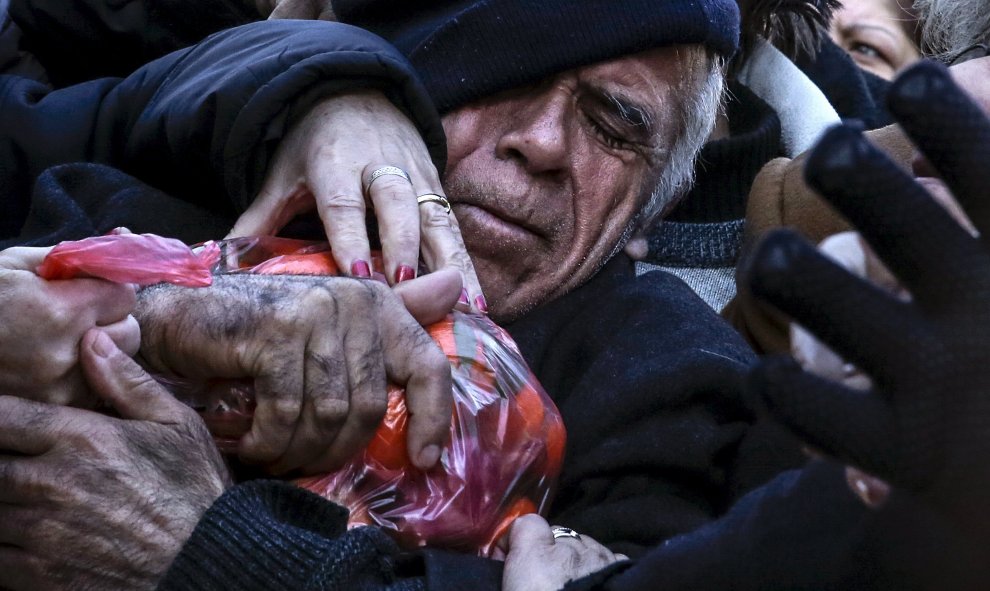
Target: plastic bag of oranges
[(507, 437)]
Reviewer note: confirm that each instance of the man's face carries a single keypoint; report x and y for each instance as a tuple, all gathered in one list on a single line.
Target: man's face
[(544, 180)]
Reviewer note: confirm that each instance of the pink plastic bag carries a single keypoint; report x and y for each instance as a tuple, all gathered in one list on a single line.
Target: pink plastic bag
[(144, 259)]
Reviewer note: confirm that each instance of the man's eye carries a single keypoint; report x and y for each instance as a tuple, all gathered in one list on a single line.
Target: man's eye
[(606, 135)]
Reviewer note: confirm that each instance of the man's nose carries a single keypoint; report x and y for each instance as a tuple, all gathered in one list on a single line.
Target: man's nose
[(536, 138)]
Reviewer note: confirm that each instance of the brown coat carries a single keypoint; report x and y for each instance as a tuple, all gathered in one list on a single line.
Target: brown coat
[(779, 197)]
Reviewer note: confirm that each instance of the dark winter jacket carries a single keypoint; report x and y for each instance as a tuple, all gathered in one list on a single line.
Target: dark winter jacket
[(200, 124)]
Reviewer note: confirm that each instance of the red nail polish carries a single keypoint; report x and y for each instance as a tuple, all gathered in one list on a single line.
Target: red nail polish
[(404, 273), (463, 300), (360, 268), (481, 304)]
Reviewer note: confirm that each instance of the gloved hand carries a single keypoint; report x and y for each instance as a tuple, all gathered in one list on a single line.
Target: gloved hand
[(925, 424)]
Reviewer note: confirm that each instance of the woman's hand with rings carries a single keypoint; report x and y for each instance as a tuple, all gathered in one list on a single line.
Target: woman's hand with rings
[(326, 162), (543, 558)]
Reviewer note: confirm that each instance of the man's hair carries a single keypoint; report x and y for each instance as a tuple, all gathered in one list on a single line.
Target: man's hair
[(950, 26), (701, 98)]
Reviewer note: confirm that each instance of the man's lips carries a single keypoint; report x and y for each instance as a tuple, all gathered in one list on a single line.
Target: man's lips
[(497, 219)]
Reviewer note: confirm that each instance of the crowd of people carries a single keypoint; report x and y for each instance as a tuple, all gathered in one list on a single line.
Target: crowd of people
[(633, 189)]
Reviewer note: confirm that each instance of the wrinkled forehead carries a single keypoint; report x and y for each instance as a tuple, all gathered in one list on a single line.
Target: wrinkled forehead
[(648, 79), (644, 82)]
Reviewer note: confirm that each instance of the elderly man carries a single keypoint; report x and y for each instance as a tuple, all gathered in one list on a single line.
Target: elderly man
[(555, 150)]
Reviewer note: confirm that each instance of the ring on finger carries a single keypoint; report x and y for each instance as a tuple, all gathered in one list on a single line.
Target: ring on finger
[(564, 532), (386, 171), (434, 198)]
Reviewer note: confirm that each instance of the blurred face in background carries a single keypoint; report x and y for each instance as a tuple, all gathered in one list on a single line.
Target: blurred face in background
[(878, 34)]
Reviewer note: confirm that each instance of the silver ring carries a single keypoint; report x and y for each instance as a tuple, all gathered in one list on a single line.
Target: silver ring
[(386, 171), (434, 198), (564, 532)]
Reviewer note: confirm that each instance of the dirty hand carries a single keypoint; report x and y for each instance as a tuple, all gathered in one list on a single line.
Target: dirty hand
[(89, 501), (320, 350)]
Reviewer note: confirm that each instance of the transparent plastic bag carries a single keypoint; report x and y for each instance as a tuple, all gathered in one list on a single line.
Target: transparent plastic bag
[(507, 437)]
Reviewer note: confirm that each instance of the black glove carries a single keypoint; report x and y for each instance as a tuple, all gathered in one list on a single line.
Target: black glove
[(925, 426)]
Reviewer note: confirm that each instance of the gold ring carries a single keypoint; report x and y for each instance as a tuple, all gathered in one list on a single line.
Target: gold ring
[(434, 198)]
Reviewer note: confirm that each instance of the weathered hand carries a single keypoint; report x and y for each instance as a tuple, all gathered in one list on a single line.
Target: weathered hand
[(535, 561), (325, 163), (89, 501), (320, 350), (43, 322)]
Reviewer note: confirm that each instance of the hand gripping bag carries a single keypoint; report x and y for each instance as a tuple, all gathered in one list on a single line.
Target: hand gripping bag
[(507, 437)]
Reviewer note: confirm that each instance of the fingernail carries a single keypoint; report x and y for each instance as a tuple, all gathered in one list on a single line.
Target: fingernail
[(463, 300), (361, 269), (429, 456), (404, 273), (102, 345), (481, 304)]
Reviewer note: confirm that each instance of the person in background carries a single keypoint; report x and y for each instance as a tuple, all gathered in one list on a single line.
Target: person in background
[(880, 35), (952, 30)]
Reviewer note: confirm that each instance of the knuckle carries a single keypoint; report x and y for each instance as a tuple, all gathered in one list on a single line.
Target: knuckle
[(339, 201), (61, 317), (432, 216), (403, 235), (330, 411), (285, 411), (318, 300), (324, 152), (433, 361), (370, 409)]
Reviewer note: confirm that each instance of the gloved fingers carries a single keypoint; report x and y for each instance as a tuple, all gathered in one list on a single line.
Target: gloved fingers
[(852, 316), (852, 426), (952, 132), (918, 240)]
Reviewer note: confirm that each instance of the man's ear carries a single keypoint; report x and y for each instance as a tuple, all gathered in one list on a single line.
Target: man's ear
[(637, 247)]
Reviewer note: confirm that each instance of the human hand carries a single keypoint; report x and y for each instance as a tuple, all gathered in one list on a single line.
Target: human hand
[(924, 424), (320, 350), (91, 501), (297, 9), (43, 322), (536, 561), (325, 163)]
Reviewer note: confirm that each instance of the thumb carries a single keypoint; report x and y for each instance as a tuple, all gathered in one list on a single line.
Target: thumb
[(120, 381), (429, 298), (528, 533)]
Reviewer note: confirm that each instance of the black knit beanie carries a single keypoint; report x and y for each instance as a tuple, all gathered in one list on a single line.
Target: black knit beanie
[(468, 49)]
